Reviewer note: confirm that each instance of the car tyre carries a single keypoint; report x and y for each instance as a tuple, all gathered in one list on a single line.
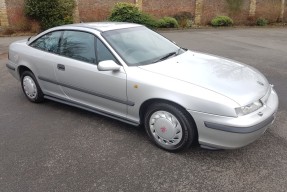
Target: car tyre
[(31, 87), (169, 127)]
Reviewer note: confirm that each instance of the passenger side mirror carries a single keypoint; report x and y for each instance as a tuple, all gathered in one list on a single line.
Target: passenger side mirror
[(108, 65)]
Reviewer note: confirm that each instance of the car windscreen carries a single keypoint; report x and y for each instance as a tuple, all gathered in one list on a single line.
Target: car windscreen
[(140, 45)]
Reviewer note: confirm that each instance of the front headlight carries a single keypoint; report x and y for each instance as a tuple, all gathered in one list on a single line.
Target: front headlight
[(249, 108)]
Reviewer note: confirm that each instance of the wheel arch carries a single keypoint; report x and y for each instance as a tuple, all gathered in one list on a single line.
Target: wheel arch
[(21, 70), (144, 107)]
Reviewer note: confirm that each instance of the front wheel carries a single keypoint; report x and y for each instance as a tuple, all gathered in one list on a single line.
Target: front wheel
[(169, 127), (31, 87)]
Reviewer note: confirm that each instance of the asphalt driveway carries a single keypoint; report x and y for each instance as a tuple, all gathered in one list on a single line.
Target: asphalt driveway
[(53, 147)]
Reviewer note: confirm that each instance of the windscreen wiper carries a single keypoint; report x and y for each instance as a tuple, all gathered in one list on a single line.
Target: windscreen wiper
[(166, 56)]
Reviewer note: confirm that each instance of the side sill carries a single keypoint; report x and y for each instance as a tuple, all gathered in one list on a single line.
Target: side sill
[(209, 148), (91, 109), (242, 130)]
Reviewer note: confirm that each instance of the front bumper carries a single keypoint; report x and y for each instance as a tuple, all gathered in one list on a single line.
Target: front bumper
[(12, 68), (222, 132)]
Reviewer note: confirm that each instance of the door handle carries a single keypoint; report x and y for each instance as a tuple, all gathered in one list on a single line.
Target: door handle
[(61, 67)]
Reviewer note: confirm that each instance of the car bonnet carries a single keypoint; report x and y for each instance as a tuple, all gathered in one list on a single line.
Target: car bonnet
[(235, 80)]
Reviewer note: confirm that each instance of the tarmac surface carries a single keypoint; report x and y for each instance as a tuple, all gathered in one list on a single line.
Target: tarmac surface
[(54, 147)]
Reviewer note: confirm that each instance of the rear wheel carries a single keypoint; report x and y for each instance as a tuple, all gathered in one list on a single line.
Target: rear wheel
[(169, 127), (31, 87)]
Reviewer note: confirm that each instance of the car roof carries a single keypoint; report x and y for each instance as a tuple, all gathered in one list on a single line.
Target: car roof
[(98, 26), (105, 26)]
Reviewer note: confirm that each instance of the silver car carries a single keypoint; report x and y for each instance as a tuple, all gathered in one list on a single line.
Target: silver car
[(132, 74)]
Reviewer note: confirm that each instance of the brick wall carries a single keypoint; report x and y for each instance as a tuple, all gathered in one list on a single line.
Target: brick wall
[(11, 11), (221, 7), (161, 8), (15, 12), (272, 7), (96, 10), (211, 9)]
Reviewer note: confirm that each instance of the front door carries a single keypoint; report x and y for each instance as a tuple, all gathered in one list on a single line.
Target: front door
[(80, 79), (43, 55)]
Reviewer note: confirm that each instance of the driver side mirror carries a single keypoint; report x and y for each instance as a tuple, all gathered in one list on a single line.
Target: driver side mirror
[(108, 65)]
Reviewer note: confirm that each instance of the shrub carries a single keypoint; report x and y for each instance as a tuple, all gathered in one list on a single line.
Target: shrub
[(184, 19), (127, 12), (261, 22), (167, 22), (147, 20), (221, 21), (161, 23), (50, 13)]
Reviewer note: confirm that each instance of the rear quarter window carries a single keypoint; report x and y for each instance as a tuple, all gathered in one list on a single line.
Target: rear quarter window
[(48, 42)]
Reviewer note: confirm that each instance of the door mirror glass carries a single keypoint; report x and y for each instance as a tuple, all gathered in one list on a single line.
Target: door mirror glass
[(108, 65)]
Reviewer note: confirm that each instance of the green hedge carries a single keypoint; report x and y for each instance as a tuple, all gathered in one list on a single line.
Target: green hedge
[(221, 21), (167, 22), (261, 21), (128, 12), (184, 19), (50, 13)]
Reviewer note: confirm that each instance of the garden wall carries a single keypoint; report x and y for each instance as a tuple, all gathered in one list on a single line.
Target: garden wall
[(15, 12), (238, 11), (96, 10), (161, 8), (241, 11), (272, 7)]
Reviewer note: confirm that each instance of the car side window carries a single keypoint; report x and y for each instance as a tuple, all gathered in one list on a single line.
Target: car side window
[(104, 53), (78, 45), (48, 42)]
